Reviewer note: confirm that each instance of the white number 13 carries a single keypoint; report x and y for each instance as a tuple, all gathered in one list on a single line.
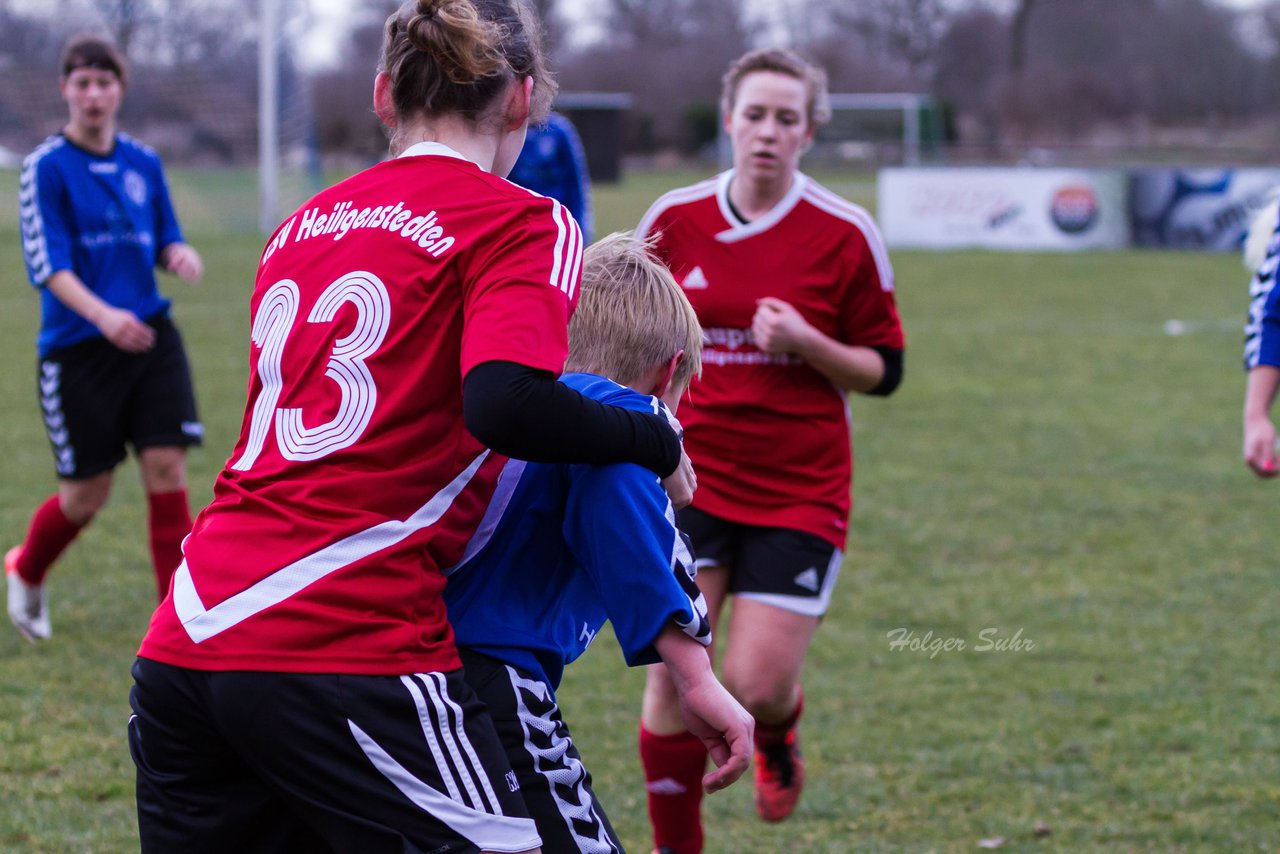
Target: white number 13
[(271, 327)]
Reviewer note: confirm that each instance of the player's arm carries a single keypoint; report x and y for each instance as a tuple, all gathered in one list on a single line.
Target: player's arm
[(778, 327), (523, 412), (708, 710), (122, 328), (514, 345), (48, 227), (176, 255), (620, 529), (1259, 431), (183, 261)]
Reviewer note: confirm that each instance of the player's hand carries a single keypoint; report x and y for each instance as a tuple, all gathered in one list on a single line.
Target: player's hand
[(184, 262), (726, 729), (681, 483), (1260, 446), (778, 328), (124, 330)]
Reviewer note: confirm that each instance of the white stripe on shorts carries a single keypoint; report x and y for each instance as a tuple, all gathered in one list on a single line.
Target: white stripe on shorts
[(483, 829), (561, 770), (809, 606), (455, 738)]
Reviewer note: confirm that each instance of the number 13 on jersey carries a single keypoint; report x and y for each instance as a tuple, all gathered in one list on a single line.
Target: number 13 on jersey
[(272, 325)]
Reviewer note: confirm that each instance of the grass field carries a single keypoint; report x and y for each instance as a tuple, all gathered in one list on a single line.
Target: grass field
[(1056, 470)]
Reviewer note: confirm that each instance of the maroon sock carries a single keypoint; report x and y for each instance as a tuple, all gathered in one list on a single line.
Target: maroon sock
[(768, 735), (168, 523), (673, 769), (49, 535)]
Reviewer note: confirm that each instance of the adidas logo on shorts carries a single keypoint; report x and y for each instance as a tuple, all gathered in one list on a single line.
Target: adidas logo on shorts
[(808, 579)]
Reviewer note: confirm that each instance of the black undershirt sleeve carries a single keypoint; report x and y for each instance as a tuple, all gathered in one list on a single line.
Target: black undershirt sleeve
[(524, 413), (892, 371)]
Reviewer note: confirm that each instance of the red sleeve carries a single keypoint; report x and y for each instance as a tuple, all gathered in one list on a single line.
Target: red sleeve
[(520, 293), (870, 313)]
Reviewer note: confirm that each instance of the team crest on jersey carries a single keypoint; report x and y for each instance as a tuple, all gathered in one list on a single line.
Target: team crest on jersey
[(135, 187), (696, 280)]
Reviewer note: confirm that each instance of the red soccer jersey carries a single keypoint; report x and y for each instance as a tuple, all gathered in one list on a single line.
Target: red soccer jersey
[(354, 479), (769, 435)]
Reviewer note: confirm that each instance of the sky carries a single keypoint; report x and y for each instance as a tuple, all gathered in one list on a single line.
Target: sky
[(331, 18)]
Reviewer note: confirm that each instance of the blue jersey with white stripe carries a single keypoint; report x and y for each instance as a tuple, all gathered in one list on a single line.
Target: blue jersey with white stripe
[(552, 163), (563, 548), (1262, 331), (105, 218)]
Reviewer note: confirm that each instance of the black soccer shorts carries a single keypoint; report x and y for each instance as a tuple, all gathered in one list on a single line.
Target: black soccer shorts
[(249, 762), (555, 784), (789, 569), (96, 398)]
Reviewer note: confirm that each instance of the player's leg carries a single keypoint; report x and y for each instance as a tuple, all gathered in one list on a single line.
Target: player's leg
[(674, 759), (163, 472), (554, 783), (194, 792), (379, 763), (162, 424), (783, 584), (81, 390)]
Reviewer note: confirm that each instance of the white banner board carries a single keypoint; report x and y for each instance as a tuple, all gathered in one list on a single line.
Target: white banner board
[(1003, 208)]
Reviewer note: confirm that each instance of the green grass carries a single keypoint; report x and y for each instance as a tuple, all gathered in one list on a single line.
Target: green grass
[(1054, 464)]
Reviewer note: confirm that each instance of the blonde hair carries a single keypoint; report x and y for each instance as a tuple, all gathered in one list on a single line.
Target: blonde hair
[(632, 317), (781, 61), (457, 56)]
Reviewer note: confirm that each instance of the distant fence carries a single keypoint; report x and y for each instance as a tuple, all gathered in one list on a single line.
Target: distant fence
[(1066, 209)]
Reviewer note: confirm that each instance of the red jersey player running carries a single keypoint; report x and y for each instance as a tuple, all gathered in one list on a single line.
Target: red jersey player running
[(794, 291), (299, 689)]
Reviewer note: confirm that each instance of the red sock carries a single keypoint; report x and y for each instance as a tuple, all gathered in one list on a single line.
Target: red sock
[(49, 535), (673, 769), (168, 523), (768, 735)]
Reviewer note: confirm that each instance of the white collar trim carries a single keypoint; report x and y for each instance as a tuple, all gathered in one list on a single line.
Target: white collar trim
[(739, 230), (437, 148)]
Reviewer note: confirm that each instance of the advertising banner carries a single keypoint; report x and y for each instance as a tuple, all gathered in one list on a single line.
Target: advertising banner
[(1004, 208), (1207, 209)]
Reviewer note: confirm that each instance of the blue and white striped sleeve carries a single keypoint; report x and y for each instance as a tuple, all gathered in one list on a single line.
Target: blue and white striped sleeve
[(46, 228), (1262, 330)]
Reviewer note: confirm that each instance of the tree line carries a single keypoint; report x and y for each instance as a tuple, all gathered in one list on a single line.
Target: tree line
[(1008, 73)]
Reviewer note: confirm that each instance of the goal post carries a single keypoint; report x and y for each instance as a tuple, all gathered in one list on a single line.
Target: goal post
[(910, 120), (864, 124)]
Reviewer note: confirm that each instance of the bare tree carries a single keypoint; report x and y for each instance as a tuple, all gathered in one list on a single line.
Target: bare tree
[(669, 55), (901, 31)]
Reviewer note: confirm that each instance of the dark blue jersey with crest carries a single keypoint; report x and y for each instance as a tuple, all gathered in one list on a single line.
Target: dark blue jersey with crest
[(105, 218)]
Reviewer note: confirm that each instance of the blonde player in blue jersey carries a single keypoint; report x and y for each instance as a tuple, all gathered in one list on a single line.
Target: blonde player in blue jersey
[(96, 223), (563, 548)]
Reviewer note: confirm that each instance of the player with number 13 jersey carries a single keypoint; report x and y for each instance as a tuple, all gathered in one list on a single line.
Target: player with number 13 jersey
[(353, 469)]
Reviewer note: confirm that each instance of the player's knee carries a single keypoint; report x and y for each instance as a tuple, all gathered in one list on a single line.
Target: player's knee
[(764, 699), (80, 501), (163, 469)]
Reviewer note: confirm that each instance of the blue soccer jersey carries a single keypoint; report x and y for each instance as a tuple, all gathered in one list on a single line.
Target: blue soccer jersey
[(105, 218), (553, 164), (563, 548)]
